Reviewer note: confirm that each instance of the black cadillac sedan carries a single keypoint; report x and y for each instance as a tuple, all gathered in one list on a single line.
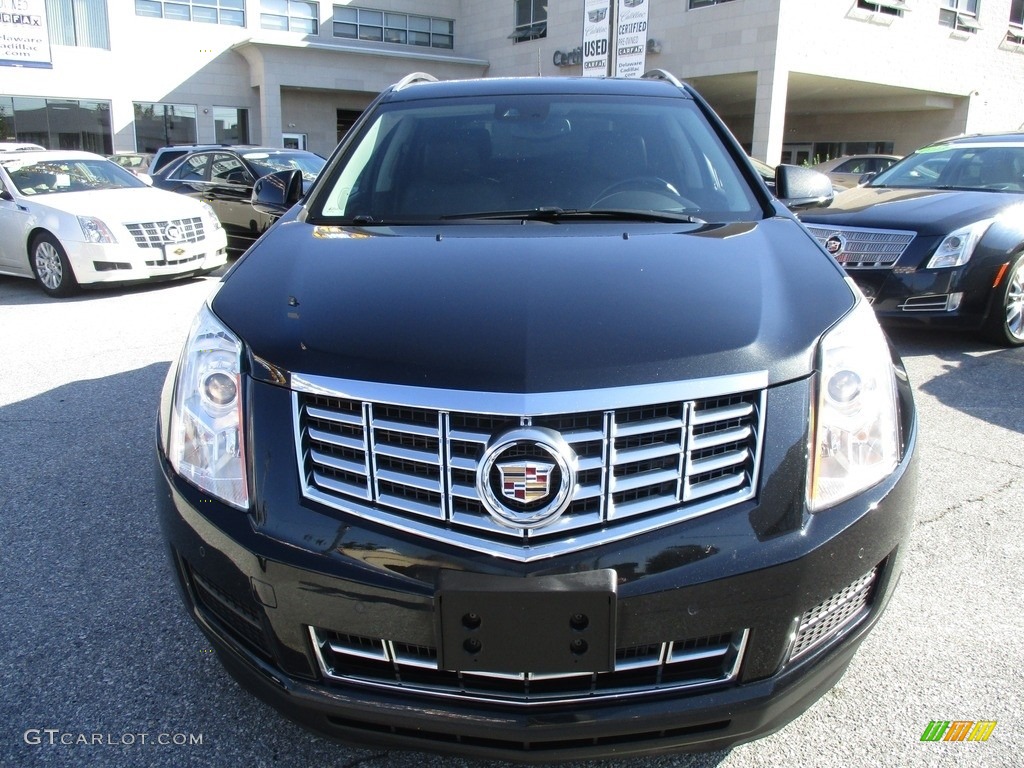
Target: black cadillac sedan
[(224, 177), (938, 238), (538, 429)]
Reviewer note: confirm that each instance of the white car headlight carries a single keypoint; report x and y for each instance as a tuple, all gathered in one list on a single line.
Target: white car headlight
[(207, 442), (212, 214), (958, 247), (95, 230), (855, 421)]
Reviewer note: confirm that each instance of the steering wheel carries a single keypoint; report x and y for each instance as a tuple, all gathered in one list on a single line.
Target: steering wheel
[(654, 184)]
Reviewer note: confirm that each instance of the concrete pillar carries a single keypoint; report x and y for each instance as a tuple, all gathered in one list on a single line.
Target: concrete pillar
[(770, 113), (270, 114)]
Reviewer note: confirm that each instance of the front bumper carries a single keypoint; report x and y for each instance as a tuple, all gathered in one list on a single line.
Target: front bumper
[(954, 298), (771, 583), (97, 263)]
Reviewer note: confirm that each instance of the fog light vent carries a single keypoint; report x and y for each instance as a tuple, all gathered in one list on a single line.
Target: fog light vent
[(834, 615)]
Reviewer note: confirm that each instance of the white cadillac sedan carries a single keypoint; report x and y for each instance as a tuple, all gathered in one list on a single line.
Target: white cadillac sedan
[(71, 219)]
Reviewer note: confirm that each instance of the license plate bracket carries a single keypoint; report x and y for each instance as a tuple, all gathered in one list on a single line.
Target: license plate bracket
[(559, 624)]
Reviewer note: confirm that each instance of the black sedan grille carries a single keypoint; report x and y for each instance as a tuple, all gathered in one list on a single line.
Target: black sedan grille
[(640, 466), (699, 662), (863, 248)]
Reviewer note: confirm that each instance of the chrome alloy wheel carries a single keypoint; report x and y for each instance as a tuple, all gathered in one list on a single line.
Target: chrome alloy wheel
[(48, 265), (1015, 302)]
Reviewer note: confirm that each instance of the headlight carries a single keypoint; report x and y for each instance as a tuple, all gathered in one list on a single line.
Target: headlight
[(212, 214), (207, 445), (855, 423), (95, 231), (957, 247)]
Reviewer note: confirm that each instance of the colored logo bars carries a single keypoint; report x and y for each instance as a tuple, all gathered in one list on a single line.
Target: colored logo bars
[(958, 730), (525, 482)]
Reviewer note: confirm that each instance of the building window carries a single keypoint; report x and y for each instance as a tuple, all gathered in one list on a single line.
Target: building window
[(400, 28), (1015, 34), (82, 23), (961, 15), (346, 118), (229, 12), (703, 3), (290, 16), (230, 125), (57, 123), (531, 20), (891, 7), (162, 125)]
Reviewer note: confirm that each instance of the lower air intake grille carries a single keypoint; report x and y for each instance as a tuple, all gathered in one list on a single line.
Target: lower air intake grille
[(833, 616), (700, 662)]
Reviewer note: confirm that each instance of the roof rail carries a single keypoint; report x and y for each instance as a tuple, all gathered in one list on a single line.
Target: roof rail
[(415, 77), (661, 74)]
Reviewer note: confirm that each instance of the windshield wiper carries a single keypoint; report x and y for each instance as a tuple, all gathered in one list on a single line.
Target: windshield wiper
[(554, 213)]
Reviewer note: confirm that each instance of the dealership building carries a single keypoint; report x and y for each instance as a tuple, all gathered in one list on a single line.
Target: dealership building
[(794, 79)]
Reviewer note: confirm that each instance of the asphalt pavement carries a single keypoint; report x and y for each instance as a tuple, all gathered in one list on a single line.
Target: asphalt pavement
[(100, 666)]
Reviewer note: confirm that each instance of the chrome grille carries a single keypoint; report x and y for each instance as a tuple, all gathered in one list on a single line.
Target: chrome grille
[(830, 617), (153, 234), (865, 248), (414, 465), (699, 662)]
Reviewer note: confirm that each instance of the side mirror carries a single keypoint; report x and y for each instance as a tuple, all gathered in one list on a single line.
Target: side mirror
[(866, 177), (275, 193), (5, 195), (801, 188)]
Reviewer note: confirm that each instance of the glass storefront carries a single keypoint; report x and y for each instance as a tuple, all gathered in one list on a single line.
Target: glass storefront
[(57, 123), (161, 125)]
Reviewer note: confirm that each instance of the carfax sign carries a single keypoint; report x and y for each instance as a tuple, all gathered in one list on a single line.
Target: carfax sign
[(24, 39)]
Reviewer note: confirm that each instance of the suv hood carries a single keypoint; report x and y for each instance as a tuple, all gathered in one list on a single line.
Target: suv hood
[(533, 307), (925, 211)]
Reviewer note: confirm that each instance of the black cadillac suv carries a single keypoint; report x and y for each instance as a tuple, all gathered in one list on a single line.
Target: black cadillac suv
[(538, 428)]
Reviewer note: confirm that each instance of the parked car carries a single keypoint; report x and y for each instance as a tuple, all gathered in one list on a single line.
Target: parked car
[(164, 156), (537, 429), (849, 170), (136, 162), (71, 219), (18, 146), (224, 178), (938, 238)]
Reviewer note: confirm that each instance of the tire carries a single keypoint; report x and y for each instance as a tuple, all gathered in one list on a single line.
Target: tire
[(51, 266), (1005, 323)]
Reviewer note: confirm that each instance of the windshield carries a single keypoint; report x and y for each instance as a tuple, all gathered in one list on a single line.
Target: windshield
[(53, 176), (271, 162), (996, 167), (554, 155)]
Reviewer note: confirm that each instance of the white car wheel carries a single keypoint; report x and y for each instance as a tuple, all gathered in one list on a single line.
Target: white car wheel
[(51, 266)]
